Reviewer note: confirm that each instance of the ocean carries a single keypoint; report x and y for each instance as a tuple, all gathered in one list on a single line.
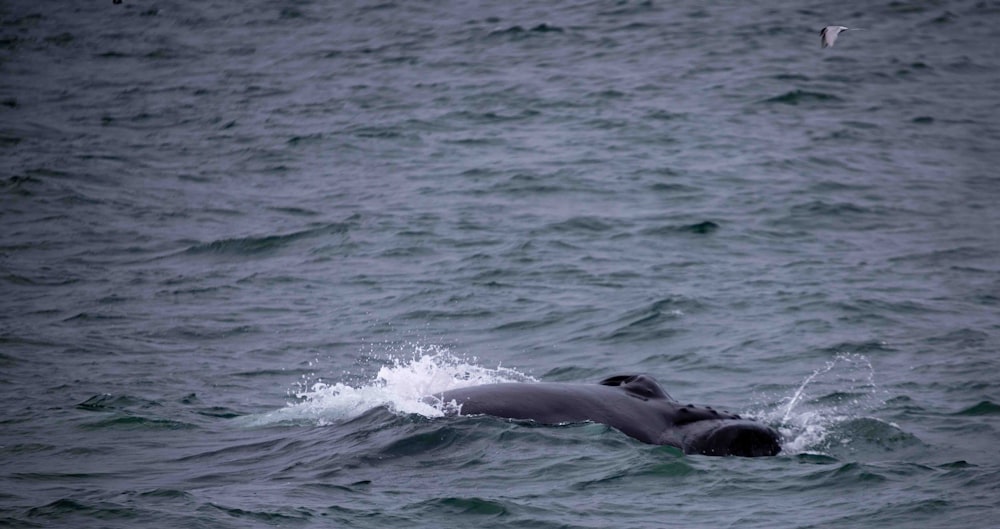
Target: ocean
[(241, 241)]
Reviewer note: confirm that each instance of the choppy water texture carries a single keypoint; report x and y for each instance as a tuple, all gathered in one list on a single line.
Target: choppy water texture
[(241, 239)]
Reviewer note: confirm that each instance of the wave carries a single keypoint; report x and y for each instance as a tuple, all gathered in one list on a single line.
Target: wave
[(518, 30), (256, 245), (127, 412), (698, 228), (658, 320), (797, 96), (982, 408)]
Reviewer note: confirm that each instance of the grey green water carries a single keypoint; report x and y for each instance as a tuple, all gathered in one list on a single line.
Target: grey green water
[(239, 240)]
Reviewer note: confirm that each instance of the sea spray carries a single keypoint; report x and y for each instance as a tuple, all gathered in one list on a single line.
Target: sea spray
[(401, 385), (841, 391)]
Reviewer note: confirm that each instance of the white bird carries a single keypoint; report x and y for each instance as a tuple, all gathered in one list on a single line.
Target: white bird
[(828, 35)]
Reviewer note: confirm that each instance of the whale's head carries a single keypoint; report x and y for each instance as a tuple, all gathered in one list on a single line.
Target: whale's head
[(698, 429), (731, 437)]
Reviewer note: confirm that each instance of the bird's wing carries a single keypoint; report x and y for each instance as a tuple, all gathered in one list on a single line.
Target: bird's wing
[(829, 35)]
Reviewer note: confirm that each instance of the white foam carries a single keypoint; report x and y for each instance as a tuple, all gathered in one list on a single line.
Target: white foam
[(400, 386)]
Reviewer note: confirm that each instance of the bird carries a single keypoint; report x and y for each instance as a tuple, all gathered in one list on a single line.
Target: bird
[(828, 35)]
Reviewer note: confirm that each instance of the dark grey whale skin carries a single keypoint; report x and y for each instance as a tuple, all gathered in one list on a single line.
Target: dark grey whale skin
[(634, 404)]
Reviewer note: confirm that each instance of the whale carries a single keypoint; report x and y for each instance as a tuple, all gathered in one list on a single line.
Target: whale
[(636, 405)]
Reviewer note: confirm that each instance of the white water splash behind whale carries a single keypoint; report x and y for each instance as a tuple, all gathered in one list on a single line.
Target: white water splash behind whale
[(399, 386)]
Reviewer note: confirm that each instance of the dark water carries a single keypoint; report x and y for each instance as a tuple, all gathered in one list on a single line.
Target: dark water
[(241, 239)]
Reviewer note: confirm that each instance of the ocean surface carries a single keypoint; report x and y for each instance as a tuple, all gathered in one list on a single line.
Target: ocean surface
[(239, 241)]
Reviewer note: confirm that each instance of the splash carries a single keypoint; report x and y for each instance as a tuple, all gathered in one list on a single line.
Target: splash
[(842, 390), (400, 386)]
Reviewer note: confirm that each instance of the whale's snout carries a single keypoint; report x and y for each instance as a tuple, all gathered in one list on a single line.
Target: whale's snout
[(737, 438)]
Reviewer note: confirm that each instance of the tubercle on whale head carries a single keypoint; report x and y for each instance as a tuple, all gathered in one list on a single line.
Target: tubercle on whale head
[(690, 413), (732, 438)]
